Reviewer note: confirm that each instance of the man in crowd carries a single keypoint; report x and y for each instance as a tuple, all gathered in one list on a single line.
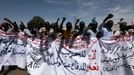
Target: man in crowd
[(92, 28), (105, 29)]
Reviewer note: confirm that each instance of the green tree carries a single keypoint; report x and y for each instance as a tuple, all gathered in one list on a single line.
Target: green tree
[(36, 22)]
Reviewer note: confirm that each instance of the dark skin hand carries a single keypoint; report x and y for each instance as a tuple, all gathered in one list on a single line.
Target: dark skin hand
[(61, 25), (108, 17), (76, 23)]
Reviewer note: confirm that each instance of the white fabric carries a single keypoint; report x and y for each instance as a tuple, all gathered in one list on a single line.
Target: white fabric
[(106, 33), (93, 35)]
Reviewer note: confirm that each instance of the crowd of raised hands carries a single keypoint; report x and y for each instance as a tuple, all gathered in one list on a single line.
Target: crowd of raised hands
[(70, 31)]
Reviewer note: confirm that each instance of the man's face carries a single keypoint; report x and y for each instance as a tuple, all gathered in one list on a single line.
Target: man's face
[(82, 25), (5, 27), (69, 26), (94, 26), (43, 29), (123, 26), (109, 24)]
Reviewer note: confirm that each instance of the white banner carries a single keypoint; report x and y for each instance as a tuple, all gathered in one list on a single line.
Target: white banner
[(113, 56), (59, 59), (117, 56), (34, 58), (12, 51)]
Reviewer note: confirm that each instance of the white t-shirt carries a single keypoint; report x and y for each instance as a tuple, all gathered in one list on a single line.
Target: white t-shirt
[(106, 33), (91, 33)]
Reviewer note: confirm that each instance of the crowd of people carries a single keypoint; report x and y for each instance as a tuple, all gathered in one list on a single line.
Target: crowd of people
[(70, 31), (55, 30)]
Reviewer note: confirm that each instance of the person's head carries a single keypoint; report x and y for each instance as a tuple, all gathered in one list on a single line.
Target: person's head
[(5, 26), (22, 27), (43, 30), (47, 26), (123, 26), (69, 26), (34, 31), (121, 19), (54, 26), (109, 24), (82, 25), (93, 25)]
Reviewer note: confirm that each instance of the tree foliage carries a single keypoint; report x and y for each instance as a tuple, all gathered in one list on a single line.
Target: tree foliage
[(36, 22)]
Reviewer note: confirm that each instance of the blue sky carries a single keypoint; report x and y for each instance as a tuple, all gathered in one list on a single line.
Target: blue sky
[(24, 10)]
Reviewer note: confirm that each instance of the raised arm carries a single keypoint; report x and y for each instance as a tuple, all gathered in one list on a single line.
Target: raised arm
[(57, 20), (75, 25), (11, 24), (57, 25), (14, 26), (6, 19), (62, 22), (104, 21)]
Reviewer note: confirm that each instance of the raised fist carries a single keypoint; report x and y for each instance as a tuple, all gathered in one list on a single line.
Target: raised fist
[(58, 19), (6, 19), (64, 18), (108, 17)]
